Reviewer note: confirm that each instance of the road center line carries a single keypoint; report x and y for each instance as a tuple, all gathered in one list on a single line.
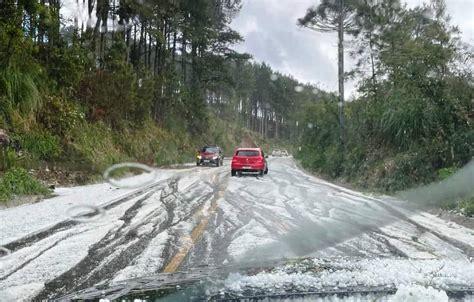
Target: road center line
[(196, 233)]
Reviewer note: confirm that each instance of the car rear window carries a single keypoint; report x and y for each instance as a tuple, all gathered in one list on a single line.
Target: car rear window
[(247, 153)]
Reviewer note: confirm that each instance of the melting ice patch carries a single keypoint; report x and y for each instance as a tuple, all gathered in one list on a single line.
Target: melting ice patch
[(319, 275)]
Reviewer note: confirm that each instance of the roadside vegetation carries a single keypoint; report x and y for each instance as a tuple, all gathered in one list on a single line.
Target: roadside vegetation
[(153, 83), (153, 88), (17, 181), (412, 121)]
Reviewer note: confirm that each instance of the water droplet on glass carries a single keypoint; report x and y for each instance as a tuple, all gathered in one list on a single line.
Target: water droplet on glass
[(373, 2), (299, 88), (140, 82), (432, 74), (4, 252), (90, 23), (90, 55), (310, 125), (274, 77), (428, 13), (340, 104), (315, 91), (85, 213), (130, 175)]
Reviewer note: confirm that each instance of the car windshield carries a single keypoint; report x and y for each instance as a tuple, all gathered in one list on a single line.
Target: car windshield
[(213, 150), (247, 153), (210, 150)]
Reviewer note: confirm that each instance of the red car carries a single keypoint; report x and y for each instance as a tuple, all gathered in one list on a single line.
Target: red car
[(210, 155), (251, 160)]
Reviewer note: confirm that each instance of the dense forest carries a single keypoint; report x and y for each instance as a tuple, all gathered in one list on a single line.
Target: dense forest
[(413, 118), (150, 81), (412, 121)]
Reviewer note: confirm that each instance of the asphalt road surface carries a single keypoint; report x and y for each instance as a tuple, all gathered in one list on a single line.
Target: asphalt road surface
[(201, 216)]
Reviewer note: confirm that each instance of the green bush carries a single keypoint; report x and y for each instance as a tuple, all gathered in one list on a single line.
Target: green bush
[(17, 181), (94, 144), (444, 173), (115, 98), (404, 170), (41, 144), (60, 115), (467, 207), (7, 158)]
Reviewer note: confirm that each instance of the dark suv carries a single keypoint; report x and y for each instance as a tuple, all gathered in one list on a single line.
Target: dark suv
[(210, 155)]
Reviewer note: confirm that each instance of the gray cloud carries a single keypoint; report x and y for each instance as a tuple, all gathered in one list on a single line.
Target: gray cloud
[(272, 36)]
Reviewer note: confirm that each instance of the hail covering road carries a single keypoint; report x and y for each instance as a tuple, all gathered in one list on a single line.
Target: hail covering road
[(199, 216)]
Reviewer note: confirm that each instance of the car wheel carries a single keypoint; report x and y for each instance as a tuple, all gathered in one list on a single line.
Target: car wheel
[(217, 163), (232, 173), (197, 163), (266, 171), (261, 172)]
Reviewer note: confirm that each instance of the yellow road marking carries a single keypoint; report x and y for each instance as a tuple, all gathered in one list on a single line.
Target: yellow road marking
[(189, 242)]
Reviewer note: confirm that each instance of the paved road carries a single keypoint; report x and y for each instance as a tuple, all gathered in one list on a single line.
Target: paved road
[(201, 216)]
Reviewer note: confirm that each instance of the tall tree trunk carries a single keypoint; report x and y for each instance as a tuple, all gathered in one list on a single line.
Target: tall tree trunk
[(372, 63), (155, 62), (183, 58), (194, 79), (149, 48), (163, 45), (174, 46), (145, 48), (340, 50), (40, 30), (128, 42), (276, 126), (140, 43)]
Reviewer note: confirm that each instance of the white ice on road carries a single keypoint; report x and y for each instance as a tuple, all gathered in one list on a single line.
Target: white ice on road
[(346, 273), (26, 219), (285, 214)]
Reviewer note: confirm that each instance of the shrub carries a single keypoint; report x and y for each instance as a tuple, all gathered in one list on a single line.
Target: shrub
[(115, 97), (7, 158), (95, 144), (446, 172), (17, 181), (19, 88), (467, 207), (59, 115), (404, 170), (41, 144)]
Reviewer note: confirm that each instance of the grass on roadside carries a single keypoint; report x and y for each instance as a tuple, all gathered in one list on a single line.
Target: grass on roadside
[(467, 207), (18, 181)]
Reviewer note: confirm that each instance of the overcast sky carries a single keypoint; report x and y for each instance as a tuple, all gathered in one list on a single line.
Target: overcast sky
[(271, 36)]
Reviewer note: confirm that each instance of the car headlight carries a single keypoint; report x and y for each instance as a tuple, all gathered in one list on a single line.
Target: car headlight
[(199, 156), (215, 157)]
